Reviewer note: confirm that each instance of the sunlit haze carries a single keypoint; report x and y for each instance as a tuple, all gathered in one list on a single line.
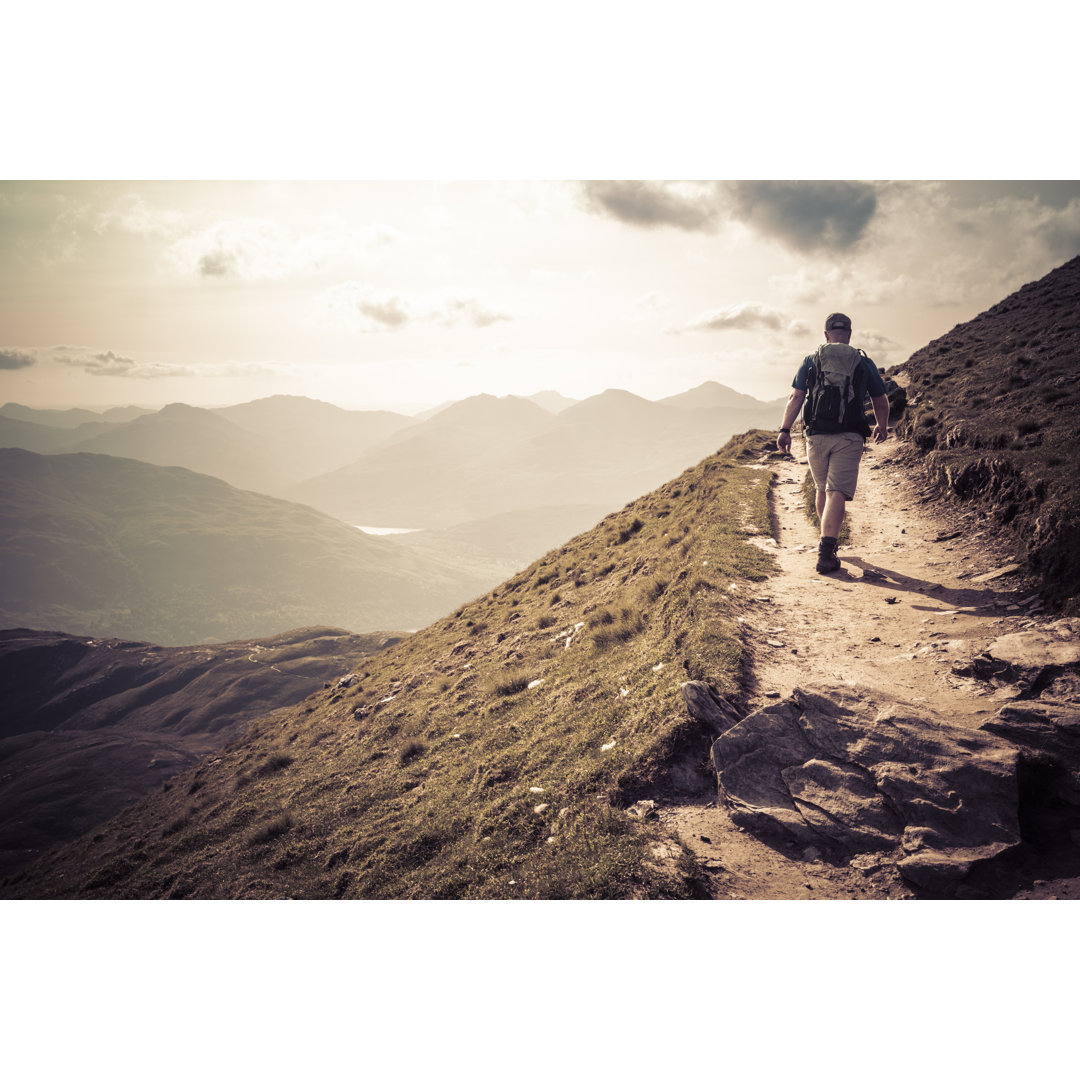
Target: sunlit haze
[(378, 294)]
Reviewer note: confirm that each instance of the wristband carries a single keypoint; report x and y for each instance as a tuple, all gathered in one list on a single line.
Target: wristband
[(786, 430)]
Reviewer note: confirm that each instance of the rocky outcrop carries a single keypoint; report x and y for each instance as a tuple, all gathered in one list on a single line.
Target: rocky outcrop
[(1038, 662), (838, 772)]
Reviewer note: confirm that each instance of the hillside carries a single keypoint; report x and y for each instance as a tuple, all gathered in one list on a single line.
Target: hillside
[(91, 725), (993, 423), (489, 754), (104, 546)]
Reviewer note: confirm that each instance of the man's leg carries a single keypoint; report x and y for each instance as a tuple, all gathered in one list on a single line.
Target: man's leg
[(832, 517), (834, 463), (831, 508)]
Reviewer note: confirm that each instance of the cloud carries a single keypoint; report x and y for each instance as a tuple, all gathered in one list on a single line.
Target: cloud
[(945, 250), (806, 215), (652, 204), (746, 316), (132, 214), (246, 248), (367, 310), (257, 249), (649, 307), (13, 359), (1059, 230), (353, 306), (839, 286), (880, 347), (109, 363), (465, 311)]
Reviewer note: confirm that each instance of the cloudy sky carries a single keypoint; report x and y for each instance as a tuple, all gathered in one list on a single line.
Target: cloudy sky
[(378, 293), (382, 291)]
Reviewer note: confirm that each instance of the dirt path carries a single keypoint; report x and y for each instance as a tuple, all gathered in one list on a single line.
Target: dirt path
[(904, 608)]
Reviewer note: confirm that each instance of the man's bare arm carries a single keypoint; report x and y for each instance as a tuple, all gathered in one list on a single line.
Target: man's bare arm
[(881, 415), (794, 404)]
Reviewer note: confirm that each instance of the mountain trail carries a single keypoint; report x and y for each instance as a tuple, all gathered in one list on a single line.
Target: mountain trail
[(918, 592)]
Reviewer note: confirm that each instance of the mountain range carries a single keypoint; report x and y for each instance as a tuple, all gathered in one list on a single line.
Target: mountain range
[(486, 455), (343, 461)]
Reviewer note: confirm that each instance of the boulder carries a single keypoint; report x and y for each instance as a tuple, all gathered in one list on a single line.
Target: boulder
[(848, 775)]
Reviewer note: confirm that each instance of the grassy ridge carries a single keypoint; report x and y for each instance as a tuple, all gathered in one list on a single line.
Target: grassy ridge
[(491, 755)]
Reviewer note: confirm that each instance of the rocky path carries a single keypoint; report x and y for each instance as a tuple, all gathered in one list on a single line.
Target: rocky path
[(919, 594)]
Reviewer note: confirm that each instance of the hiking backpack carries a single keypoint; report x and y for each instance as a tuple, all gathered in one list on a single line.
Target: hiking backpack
[(835, 391)]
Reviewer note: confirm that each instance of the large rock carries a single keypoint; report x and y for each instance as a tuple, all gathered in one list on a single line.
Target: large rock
[(1048, 736), (1031, 661), (1055, 645), (836, 771)]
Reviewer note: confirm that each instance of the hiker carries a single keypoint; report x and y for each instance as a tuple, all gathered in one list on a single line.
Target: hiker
[(834, 381)]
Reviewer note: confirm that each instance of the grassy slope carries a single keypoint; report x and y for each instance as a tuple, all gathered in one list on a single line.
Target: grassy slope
[(993, 418), (417, 779)]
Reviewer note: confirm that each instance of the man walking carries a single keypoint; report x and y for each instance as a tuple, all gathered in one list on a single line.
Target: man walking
[(834, 382)]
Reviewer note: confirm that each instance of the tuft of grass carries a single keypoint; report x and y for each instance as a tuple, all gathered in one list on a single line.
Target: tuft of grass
[(616, 631), (273, 829), (411, 751), (511, 683), (631, 530), (654, 589)]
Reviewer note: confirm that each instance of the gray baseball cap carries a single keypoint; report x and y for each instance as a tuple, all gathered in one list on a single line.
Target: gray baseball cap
[(837, 321)]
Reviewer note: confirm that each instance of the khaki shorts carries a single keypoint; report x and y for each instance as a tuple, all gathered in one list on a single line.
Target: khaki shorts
[(834, 461)]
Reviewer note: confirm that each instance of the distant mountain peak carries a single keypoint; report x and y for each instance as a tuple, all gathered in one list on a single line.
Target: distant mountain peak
[(712, 395), (486, 408), (552, 400)]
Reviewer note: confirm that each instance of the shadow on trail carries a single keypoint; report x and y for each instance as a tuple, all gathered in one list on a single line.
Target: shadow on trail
[(977, 602)]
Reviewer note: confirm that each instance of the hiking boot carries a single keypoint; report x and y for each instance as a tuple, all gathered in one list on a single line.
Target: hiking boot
[(827, 562)]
